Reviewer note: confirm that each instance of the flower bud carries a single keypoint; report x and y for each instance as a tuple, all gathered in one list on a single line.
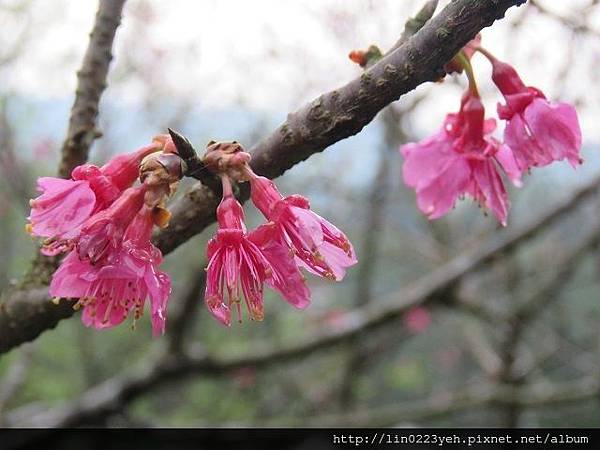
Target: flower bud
[(228, 158)]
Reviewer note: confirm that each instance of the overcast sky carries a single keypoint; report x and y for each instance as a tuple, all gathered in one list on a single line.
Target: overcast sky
[(272, 54)]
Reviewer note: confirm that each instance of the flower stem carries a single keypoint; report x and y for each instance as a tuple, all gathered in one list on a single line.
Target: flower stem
[(486, 53), (248, 172), (468, 68), (227, 188)]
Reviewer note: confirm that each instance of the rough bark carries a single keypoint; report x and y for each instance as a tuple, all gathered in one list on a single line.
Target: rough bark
[(91, 82)]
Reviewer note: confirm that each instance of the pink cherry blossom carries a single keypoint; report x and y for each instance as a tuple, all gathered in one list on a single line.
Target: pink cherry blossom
[(285, 277), (438, 174), (123, 170), (460, 159), (64, 205), (121, 284), (538, 131), (104, 231), (318, 245), (61, 210), (236, 266)]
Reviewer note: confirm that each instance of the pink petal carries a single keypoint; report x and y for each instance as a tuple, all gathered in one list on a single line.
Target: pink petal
[(69, 280), (525, 148), (62, 208), (337, 259), (422, 161), (556, 128), (440, 194), (159, 288), (285, 275), (492, 189), (308, 226), (506, 159), (123, 170)]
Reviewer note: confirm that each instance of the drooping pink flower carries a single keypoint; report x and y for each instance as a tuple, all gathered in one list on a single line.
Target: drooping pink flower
[(537, 131), (317, 244), (126, 278), (459, 159), (437, 172), (284, 277), (104, 231), (60, 211), (64, 205), (236, 266)]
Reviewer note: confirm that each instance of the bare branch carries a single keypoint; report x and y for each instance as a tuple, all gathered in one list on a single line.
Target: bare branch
[(91, 82), (15, 378), (443, 404), (477, 395), (180, 320)]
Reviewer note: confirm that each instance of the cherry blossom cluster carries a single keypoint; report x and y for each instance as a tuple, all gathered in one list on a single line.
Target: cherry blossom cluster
[(293, 238), (463, 158), (103, 219)]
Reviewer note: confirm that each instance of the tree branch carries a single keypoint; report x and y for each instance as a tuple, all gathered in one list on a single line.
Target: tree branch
[(100, 401), (343, 112), (182, 318), (91, 82), (443, 404)]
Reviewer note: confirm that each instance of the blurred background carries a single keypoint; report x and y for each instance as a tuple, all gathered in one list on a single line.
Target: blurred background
[(515, 342)]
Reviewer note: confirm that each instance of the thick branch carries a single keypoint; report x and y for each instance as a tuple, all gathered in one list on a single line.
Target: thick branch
[(343, 112)]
